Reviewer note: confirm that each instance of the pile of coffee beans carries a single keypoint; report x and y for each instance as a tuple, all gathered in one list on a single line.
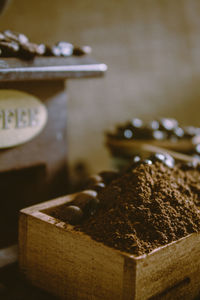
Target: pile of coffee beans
[(163, 158), (161, 129), (14, 44), (86, 203)]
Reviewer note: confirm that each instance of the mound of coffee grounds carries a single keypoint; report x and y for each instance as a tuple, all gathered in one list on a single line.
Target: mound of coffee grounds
[(147, 206)]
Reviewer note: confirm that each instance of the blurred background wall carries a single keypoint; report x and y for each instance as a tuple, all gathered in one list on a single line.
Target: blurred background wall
[(152, 49)]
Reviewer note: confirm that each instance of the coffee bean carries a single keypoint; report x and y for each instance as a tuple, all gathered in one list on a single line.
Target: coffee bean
[(154, 125), (108, 176), (197, 148), (158, 157), (179, 132), (128, 133), (28, 50), (82, 198), (16, 36), (94, 179), (147, 162), (98, 186), (73, 214), (48, 51), (165, 158), (136, 159), (168, 123), (169, 161), (191, 131), (159, 135), (56, 51), (91, 207), (189, 165), (87, 201), (9, 49), (40, 49), (137, 123), (66, 49), (78, 51), (2, 37)]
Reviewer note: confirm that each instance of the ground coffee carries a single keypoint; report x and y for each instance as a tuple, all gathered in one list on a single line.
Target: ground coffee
[(147, 206)]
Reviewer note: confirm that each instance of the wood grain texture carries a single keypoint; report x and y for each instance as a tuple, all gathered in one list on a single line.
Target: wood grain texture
[(71, 265)]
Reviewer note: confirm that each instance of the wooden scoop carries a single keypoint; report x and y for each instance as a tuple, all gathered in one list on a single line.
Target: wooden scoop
[(131, 147)]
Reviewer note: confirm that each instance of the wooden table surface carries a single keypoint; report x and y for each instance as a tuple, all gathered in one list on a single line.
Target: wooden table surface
[(12, 284)]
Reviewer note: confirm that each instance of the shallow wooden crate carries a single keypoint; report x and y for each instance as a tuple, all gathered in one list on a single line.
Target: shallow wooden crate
[(71, 265)]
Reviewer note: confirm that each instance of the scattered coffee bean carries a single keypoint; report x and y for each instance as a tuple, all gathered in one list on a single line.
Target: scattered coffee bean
[(147, 162), (78, 51), (82, 198), (108, 176), (169, 161), (98, 186), (87, 201), (2, 37), (191, 131), (168, 123), (94, 179), (56, 51), (73, 215), (196, 156), (166, 128), (16, 37), (136, 159), (128, 133), (91, 207), (197, 148), (27, 50), (165, 158), (137, 123), (9, 49), (66, 49), (40, 49), (159, 135), (190, 165), (158, 157), (154, 125), (179, 132)]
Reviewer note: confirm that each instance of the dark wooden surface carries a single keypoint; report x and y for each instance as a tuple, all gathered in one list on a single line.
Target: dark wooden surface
[(14, 287), (47, 68)]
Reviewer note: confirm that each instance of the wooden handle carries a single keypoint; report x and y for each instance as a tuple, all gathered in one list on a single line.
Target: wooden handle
[(132, 146)]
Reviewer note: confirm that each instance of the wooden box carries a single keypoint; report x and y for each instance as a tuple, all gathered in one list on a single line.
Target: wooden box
[(71, 265)]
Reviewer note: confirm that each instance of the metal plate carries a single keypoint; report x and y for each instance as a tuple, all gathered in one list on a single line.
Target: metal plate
[(22, 117)]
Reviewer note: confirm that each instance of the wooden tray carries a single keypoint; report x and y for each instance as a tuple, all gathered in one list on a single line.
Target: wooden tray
[(71, 265)]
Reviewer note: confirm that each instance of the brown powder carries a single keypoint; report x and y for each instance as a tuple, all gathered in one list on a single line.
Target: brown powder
[(146, 207)]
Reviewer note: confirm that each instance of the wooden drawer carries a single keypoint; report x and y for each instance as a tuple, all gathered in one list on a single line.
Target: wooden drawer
[(71, 265)]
